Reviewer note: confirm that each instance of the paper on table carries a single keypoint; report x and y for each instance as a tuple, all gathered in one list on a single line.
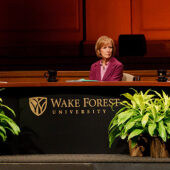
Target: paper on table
[(80, 80), (3, 82)]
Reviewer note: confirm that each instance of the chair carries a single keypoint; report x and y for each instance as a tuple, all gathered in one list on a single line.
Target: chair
[(132, 45), (128, 77)]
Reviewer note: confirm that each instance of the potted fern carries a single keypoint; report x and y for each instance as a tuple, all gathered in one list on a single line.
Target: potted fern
[(7, 123), (144, 116)]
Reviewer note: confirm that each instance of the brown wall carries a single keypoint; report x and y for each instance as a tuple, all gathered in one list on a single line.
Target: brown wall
[(151, 18), (55, 34), (111, 17), (40, 21), (116, 17)]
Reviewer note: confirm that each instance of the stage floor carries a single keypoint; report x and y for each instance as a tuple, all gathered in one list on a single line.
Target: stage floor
[(82, 162), (79, 158)]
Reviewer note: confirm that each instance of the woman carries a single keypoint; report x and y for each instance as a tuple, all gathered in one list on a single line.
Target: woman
[(108, 68)]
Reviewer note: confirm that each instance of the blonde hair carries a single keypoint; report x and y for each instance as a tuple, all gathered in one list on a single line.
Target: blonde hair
[(103, 40)]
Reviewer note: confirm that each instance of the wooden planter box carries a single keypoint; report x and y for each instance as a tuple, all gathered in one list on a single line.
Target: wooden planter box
[(158, 148)]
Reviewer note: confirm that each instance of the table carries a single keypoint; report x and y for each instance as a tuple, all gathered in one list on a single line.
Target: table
[(67, 117)]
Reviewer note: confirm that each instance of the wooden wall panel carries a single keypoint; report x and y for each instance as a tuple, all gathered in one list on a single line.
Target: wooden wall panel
[(41, 20), (111, 17), (48, 34), (151, 18)]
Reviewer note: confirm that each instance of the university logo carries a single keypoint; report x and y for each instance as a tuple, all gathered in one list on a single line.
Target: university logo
[(38, 105)]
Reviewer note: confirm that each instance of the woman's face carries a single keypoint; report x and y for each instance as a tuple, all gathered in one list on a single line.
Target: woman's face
[(106, 51)]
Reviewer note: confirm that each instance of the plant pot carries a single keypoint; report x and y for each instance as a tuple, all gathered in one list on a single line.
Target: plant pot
[(137, 151), (158, 148), (141, 148)]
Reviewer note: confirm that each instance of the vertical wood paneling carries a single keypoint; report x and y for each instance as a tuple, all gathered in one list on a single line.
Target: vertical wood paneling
[(151, 18), (38, 34), (41, 20), (111, 17)]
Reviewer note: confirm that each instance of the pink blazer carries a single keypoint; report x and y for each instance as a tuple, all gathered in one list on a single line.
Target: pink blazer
[(114, 71)]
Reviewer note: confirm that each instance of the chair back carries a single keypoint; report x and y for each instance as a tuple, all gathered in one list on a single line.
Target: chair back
[(128, 77)]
